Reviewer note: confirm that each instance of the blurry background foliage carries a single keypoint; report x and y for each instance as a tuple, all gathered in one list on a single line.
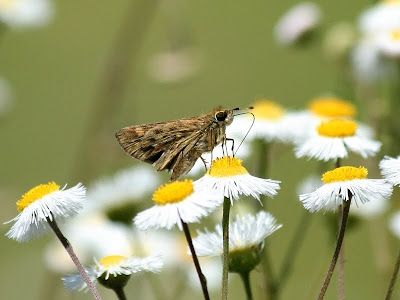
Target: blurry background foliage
[(56, 73)]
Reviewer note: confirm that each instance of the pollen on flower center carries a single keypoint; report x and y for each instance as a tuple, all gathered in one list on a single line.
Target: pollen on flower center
[(337, 128), (36, 193), (269, 110), (111, 260), (173, 192), (332, 108), (344, 174), (226, 167)]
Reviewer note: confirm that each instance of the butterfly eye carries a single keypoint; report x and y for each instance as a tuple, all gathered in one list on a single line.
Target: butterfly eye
[(221, 116)]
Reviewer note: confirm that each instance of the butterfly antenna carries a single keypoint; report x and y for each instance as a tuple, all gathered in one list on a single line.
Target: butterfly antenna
[(248, 131)]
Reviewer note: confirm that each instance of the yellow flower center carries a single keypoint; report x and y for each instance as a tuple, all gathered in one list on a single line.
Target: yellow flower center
[(344, 174), (36, 193), (395, 35), (111, 261), (173, 192), (332, 108), (337, 128), (268, 110), (226, 167)]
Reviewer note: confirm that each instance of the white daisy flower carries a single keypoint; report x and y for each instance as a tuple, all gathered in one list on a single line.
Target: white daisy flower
[(228, 176), (344, 184), (25, 13), (118, 266), (272, 123), (297, 22), (92, 236), (383, 16), (44, 203), (246, 234), (390, 169), (388, 43), (334, 139), (175, 201)]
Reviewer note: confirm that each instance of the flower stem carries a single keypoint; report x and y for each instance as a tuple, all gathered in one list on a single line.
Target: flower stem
[(346, 209), (225, 245), (68, 247), (246, 282), (120, 293), (342, 258), (393, 278), (203, 280)]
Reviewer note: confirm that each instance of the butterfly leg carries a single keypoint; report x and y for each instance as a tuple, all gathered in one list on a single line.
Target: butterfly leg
[(233, 145), (204, 162)]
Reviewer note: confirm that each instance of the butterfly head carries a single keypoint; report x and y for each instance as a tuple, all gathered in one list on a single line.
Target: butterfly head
[(224, 116)]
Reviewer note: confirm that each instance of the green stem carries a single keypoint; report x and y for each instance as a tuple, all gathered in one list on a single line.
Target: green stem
[(346, 210), (393, 278), (246, 282), (225, 244), (202, 278), (53, 225), (342, 258), (120, 293)]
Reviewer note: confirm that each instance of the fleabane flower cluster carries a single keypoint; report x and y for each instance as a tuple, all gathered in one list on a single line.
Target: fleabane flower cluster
[(114, 271), (346, 184), (43, 204), (228, 177)]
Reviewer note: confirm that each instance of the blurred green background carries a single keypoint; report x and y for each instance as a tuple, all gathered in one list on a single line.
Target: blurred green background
[(57, 78)]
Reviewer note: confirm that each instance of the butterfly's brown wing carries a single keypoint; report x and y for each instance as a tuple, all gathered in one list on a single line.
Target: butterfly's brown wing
[(173, 145)]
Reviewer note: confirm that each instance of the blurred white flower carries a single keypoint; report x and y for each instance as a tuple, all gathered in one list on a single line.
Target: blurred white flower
[(296, 22), (394, 224), (368, 63), (25, 13), (271, 123), (121, 191), (383, 16), (388, 43), (91, 236), (370, 209), (176, 65)]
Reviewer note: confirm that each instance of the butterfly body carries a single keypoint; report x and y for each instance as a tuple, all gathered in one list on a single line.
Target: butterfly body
[(176, 145)]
